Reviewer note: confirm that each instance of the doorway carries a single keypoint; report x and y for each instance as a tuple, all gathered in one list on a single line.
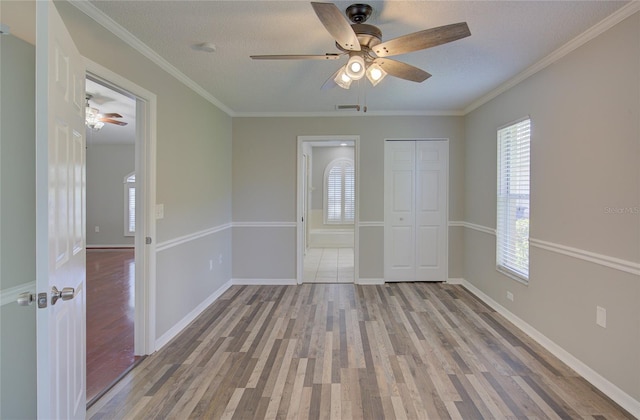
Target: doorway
[(110, 230), (327, 209), (123, 257)]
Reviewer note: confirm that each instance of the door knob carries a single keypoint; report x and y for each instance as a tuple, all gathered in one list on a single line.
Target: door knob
[(65, 294)]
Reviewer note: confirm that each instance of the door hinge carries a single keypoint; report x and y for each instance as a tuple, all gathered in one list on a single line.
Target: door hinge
[(147, 240)]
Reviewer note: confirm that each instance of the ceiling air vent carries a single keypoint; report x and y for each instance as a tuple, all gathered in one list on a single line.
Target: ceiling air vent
[(347, 107)]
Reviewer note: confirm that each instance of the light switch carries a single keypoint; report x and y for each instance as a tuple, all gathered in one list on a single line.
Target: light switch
[(159, 211)]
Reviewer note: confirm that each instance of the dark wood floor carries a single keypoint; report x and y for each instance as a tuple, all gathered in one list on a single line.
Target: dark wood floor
[(110, 316), (344, 351)]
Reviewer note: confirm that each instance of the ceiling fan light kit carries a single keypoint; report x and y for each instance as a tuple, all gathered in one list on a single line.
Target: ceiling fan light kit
[(92, 119), (375, 74), (95, 121), (342, 79), (363, 44), (355, 68)]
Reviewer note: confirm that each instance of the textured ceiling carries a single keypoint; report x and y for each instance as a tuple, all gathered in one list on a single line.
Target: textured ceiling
[(507, 37)]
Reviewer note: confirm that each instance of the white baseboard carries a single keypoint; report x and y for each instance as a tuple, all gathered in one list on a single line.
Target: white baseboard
[(110, 246), (264, 282), (370, 281), (184, 322), (625, 400), (455, 280)]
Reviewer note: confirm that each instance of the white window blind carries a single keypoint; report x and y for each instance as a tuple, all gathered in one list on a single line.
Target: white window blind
[(130, 205), (339, 192), (512, 227)]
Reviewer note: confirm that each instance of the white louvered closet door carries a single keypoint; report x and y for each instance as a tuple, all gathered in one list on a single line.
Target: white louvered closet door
[(416, 210)]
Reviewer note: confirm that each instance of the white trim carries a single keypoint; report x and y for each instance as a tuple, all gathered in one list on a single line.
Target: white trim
[(479, 228), (456, 280), (190, 317), (264, 282), (597, 29), (600, 259), (369, 282), (407, 113), (625, 400), (372, 224), (129, 39), (119, 246), (456, 223), (163, 246), (170, 243), (605, 260), (264, 224), (11, 294)]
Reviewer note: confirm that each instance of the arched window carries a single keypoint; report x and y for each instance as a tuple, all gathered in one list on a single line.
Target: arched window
[(130, 204), (339, 181)]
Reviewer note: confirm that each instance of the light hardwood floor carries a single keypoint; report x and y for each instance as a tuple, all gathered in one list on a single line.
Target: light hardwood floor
[(399, 350)]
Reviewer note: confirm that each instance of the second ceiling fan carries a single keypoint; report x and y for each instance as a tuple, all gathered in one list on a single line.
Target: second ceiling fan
[(367, 53)]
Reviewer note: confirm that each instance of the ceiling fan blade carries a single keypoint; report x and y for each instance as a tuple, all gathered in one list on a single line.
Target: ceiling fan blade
[(110, 121), (422, 39), (111, 115), (327, 56), (331, 82), (337, 25), (402, 70)]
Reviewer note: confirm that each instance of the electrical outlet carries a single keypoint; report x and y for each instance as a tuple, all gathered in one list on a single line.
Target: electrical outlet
[(601, 316), (97, 229), (210, 265), (510, 296)]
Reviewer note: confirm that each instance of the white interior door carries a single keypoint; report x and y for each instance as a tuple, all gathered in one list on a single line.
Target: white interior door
[(416, 210), (431, 210), (399, 214), (60, 219)]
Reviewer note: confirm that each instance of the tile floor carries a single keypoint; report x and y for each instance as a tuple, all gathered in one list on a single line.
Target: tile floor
[(328, 265)]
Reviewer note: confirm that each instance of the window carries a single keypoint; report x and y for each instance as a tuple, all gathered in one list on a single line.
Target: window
[(512, 233), (339, 206), (130, 204)]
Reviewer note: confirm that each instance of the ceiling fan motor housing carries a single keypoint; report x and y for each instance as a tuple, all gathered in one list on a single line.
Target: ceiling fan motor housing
[(368, 35)]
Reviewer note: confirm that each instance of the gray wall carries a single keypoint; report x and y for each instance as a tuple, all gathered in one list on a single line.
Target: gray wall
[(270, 195), (107, 165), (193, 166), (585, 158), (17, 226)]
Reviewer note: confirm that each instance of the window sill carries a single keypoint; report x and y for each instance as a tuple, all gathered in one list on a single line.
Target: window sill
[(513, 275)]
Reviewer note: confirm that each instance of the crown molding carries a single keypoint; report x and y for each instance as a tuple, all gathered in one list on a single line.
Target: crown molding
[(128, 38), (351, 114), (599, 28)]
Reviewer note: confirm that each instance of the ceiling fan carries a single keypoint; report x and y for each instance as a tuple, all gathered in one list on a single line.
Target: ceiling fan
[(367, 53), (95, 120)]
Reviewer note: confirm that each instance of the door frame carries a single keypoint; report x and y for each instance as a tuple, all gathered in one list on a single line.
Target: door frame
[(300, 231), (145, 168), (446, 201)]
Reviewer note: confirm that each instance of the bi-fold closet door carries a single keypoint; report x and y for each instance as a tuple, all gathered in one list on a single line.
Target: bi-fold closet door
[(415, 216)]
